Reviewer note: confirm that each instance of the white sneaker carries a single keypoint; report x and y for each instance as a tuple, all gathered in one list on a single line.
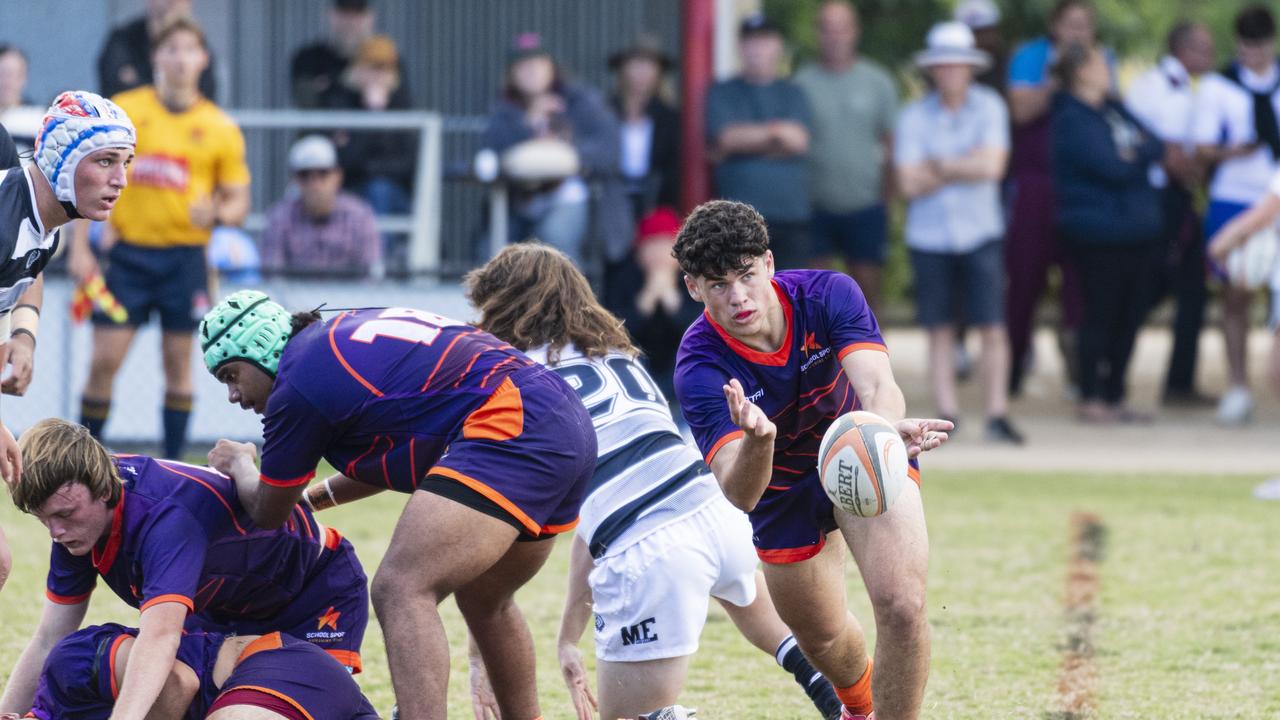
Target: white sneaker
[(1268, 490), (1236, 406)]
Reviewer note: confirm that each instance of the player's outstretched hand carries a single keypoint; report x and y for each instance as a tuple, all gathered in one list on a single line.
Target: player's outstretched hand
[(923, 434), (10, 457), (746, 414), (575, 678), (483, 702)]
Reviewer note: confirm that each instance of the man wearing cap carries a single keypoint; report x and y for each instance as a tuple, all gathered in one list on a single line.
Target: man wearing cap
[(190, 176), (758, 131), (320, 229), (34, 202), (1163, 99), (854, 105), (952, 148)]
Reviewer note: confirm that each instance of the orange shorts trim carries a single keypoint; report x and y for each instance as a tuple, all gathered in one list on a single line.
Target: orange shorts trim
[(557, 529), (111, 662), (66, 599), (170, 597), (273, 693), (497, 497), (783, 556), (270, 641), (348, 658), (914, 473), (332, 538)]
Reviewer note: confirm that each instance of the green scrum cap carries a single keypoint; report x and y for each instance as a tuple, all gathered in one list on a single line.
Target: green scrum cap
[(247, 325)]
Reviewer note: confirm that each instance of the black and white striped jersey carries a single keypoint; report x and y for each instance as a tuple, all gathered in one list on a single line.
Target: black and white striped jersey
[(25, 247), (646, 474)]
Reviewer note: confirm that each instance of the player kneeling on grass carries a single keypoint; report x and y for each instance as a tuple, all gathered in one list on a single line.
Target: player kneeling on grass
[(173, 541), (656, 537), (85, 144), (495, 449), (760, 377), (223, 677)]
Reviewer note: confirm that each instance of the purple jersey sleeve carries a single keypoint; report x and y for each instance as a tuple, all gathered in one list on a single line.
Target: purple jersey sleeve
[(850, 323), (700, 390), (171, 552), (295, 435), (71, 578)]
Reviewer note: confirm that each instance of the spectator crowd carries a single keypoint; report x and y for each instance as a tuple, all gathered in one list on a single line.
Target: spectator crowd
[(1016, 169)]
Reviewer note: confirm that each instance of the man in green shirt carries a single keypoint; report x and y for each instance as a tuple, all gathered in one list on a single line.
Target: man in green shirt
[(854, 104)]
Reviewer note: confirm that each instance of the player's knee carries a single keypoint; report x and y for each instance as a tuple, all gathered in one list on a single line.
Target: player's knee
[(902, 606)]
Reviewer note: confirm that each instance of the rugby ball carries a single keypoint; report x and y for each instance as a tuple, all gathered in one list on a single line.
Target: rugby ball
[(862, 462), (1249, 266)]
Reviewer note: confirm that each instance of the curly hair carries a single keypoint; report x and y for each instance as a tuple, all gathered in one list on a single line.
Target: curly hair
[(720, 237), (531, 295)]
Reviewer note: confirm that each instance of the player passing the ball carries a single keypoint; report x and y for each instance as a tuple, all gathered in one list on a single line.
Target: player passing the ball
[(495, 450), (83, 147), (760, 377), (656, 538)]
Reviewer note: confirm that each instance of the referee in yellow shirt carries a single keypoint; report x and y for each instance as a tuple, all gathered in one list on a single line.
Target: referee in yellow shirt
[(188, 177)]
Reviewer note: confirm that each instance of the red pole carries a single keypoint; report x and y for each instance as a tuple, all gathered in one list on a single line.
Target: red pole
[(697, 57)]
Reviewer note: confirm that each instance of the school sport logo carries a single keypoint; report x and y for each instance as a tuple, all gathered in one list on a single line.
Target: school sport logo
[(330, 620), (811, 346)]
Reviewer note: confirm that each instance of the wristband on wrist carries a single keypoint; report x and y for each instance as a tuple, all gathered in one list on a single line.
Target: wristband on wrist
[(328, 489), (23, 331)]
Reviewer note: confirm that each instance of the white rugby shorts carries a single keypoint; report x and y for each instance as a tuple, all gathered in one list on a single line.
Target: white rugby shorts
[(651, 599)]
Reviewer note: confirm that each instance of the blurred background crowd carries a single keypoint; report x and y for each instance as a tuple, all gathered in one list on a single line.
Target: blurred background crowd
[(978, 167)]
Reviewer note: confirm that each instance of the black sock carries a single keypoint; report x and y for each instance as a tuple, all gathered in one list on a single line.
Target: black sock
[(93, 415), (817, 687), (177, 411)]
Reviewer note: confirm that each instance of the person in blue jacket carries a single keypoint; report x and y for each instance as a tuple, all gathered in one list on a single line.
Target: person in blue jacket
[(1109, 215)]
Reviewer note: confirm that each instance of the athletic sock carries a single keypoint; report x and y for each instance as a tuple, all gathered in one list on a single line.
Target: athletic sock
[(815, 685), (857, 697), (177, 411), (93, 415)]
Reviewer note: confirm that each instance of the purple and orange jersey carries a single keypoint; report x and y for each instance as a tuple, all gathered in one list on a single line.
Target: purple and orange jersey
[(179, 534), (801, 386), (78, 681), (389, 396), (79, 675)]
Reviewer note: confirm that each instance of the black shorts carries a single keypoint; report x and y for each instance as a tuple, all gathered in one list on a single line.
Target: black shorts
[(171, 280)]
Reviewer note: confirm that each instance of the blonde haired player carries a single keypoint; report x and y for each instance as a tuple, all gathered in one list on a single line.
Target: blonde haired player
[(190, 176), (1261, 215), (656, 538)]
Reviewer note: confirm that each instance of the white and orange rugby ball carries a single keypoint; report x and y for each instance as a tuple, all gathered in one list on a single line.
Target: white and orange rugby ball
[(862, 462)]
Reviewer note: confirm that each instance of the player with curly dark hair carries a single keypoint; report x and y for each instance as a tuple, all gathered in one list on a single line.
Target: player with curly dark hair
[(760, 377)]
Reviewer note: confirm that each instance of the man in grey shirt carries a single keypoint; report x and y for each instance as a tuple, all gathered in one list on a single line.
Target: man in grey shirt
[(758, 129), (854, 104), (951, 149)]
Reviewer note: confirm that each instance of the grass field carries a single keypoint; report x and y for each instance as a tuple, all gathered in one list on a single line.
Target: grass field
[(1188, 624)]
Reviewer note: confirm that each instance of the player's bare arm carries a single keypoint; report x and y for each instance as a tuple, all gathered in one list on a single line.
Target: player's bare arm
[(24, 330), (743, 467), (153, 655), (872, 378), (337, 489), (268, 505), (56, 622), (573, 622)]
